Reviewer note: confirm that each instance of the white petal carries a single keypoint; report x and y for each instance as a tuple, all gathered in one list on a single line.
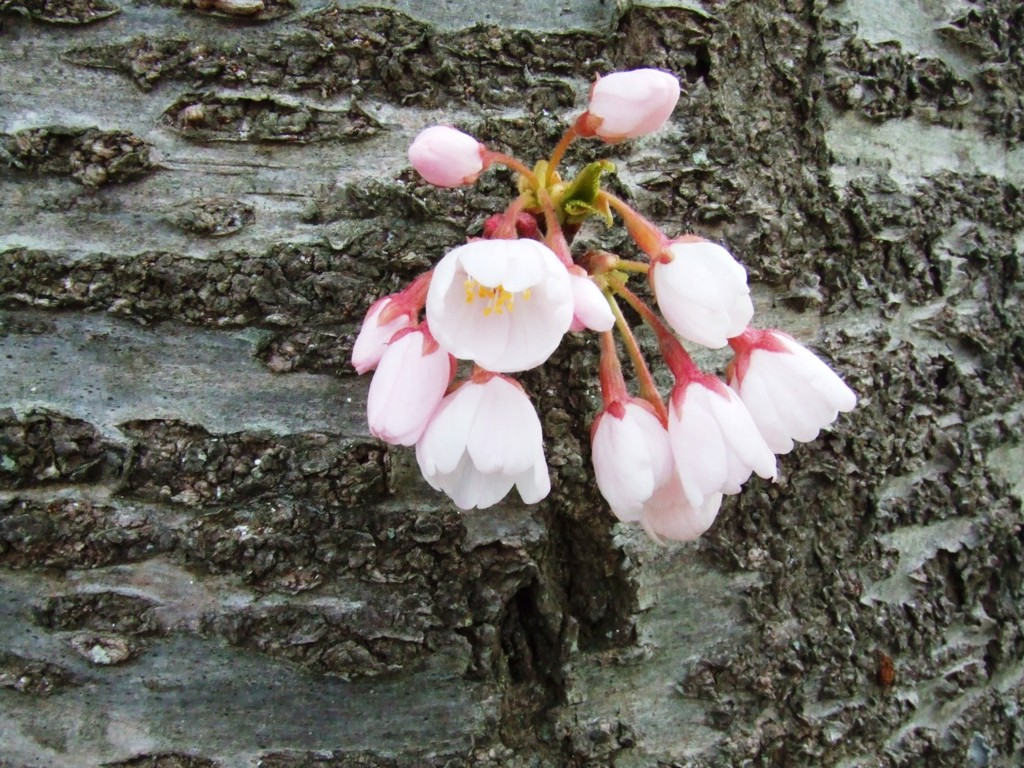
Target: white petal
[(672, 516), (623, 463), (703, 293), (506, 431), (590, 307), (374, 337), (469, 488), (512, 331), (534, 483), (406, 389), (763, 408), (742, 436), (697, 445), (443, 443)]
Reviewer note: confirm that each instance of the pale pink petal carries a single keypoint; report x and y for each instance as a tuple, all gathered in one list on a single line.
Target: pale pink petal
[(697, 445), (443, 443), (624, 105), (446, 157), (741, 434), (765, 411), (506, 430), (534, 484), (469, 488), (590, 307), (669, 515), (703, 293), (515, 264), (406, 389), (824, 380), (374, 337)]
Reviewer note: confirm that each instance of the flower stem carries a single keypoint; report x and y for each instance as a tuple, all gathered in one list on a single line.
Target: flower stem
[(677, 358), (613, 385), (410, 301), (490, 157), (559, 152), (648, 389), (507, 229), (651, 240), (622, 265), (554, 238)]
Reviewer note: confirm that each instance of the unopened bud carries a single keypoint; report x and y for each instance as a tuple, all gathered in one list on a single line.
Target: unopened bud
[(625, 105), (446, 157)]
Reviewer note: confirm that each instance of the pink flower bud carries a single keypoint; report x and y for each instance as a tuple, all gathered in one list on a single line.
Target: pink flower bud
[(446, 157), (625, 105), (526, 226)]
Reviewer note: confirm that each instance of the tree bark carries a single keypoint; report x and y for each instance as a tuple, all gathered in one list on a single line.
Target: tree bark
[(205, 558)]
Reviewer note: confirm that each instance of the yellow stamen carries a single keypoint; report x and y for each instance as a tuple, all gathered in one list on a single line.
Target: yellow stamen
[(498, 300)]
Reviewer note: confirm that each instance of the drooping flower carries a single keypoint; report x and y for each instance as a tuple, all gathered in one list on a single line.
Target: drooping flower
[(790, 393), (670, 515), (446, 157), (504, 304), (485, 438), (384, 319), (636, 473), (590, 307), (715, 443), (702, 291), (625, 105), (407, 387)]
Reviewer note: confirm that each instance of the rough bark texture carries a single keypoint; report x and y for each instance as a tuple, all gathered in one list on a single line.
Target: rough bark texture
[(205, 560)]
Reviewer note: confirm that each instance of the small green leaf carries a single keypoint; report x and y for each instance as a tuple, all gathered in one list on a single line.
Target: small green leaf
[(581, 197)]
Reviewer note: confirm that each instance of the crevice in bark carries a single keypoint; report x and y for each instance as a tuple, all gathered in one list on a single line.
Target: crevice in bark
[(531, 646)]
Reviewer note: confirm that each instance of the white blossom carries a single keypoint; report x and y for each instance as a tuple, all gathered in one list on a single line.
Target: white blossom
[(504, 304), (485, 438)]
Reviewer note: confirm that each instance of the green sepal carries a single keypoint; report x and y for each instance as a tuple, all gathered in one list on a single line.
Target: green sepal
[(581, 197)]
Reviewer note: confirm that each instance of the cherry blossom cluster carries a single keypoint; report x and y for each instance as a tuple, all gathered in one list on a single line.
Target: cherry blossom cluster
[(504, 301)]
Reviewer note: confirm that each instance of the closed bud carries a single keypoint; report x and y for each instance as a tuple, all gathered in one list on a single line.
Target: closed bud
[(446, 157), (625, 105)]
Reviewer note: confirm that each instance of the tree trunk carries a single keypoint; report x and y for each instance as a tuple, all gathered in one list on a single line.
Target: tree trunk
[(205, 558)]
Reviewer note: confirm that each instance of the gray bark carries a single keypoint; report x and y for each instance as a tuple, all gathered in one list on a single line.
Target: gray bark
[(206, 560)]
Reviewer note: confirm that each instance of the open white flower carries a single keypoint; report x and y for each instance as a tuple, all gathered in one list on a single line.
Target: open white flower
[(715, 443), (485, 438), (702, 292), (790, 393), (636, 473), (504, 304)]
